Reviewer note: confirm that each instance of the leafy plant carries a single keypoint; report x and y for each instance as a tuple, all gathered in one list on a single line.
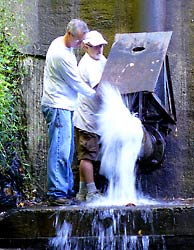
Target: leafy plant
[(13, 151)]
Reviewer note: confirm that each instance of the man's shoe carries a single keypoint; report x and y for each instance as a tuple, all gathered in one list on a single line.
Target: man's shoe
[(94, 196), (62, 202), (81, 197)]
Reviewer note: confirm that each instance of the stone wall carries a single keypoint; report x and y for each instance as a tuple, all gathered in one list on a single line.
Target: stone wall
[(42, 21), (36, 126), (176, 177)]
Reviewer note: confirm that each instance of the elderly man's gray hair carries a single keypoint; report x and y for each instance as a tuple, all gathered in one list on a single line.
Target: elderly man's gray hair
[(77, 24)]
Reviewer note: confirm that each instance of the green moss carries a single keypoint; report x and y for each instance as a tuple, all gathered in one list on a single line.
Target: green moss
[(108, 17)]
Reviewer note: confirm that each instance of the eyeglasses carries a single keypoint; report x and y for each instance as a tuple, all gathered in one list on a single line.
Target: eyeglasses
[(76, 40), (89, 45), (97, 46)]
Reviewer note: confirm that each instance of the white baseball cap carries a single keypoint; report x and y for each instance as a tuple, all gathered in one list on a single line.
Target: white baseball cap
[(94, 38)]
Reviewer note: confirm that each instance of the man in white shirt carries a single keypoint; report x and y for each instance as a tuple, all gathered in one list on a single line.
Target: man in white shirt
[(90, 67), (62, 83)]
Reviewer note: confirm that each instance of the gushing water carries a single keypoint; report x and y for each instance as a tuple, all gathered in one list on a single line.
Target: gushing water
[(108, 231), (62, 239), (121, 137)]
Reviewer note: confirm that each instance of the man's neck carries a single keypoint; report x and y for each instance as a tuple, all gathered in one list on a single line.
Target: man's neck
[(66, 41)]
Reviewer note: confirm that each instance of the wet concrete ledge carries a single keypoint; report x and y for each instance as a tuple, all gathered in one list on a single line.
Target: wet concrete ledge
[(27, 226)]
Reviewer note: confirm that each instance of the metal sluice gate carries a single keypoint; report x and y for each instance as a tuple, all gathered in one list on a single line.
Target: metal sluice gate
[(138, 65)]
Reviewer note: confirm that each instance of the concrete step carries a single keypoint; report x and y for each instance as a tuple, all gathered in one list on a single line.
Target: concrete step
[(82, 226)]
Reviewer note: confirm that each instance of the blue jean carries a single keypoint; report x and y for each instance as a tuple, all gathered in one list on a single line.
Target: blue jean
[(60, 152)]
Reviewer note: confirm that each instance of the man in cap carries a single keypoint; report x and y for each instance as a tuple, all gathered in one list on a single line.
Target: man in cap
[(62, 83), (90, 67)]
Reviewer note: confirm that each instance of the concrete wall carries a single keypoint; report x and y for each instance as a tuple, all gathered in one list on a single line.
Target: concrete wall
[(180, 16), (176, 177), (42, 21), (46, 19)]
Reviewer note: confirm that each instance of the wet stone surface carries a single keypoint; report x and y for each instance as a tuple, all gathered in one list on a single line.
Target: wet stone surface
[(41, 223)]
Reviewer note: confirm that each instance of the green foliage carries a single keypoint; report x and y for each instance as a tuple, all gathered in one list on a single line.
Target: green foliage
[(12, 120)]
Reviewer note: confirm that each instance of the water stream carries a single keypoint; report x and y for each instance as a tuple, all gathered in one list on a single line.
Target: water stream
[(121, 138), (108, 231)]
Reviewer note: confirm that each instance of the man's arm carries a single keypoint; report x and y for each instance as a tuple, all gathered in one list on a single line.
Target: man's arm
[(72, 78)]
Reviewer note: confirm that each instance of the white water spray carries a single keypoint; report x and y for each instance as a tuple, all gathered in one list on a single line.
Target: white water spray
[(62, 239), (121, 137)]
